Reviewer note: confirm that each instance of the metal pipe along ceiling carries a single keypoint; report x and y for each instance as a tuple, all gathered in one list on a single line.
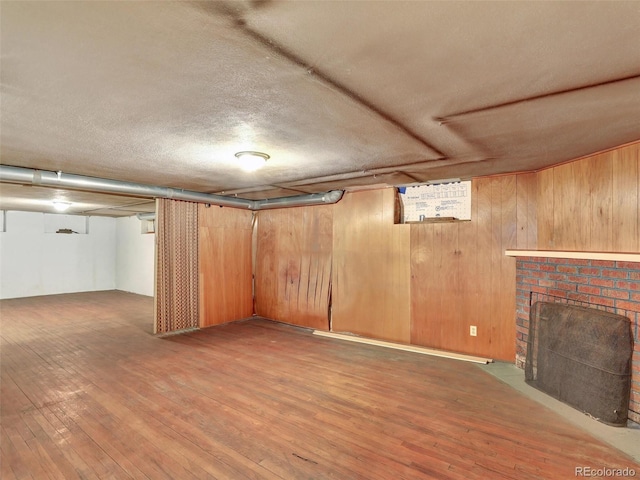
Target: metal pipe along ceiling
[(46, 178)]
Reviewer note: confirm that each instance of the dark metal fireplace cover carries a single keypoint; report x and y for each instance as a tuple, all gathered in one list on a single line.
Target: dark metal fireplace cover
[(581, 356)]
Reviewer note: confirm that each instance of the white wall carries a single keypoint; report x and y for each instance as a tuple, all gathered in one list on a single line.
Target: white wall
[(36, 263), (135, 256)]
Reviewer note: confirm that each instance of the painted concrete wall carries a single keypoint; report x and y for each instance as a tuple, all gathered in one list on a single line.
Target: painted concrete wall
[(135, 254), (33, 262)]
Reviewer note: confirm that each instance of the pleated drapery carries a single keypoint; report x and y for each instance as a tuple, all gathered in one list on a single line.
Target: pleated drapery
[(176, 302)]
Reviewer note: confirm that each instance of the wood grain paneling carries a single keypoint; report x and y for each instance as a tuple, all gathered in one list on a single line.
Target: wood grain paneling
[(224, 264), (591, 204), (544, 209), (428, 283), (468, 277), (626, 198), (371, 265), (461, 277), (526, 215), (482, 317), (423, 258), (448, 283), (600, 181), (293, 265), (503, 332), (570, 213), (496, 252)]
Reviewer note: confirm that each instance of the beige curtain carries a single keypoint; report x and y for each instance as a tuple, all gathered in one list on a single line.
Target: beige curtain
[(176, 299)]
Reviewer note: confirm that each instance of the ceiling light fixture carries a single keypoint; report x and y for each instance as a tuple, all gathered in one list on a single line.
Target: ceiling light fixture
[(252, 161), (61, 206)]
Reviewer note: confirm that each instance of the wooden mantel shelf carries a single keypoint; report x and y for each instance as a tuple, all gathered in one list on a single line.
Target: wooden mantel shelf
[(618, 257)]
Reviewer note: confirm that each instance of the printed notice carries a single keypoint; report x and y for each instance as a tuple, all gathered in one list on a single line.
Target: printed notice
[(441, 200)]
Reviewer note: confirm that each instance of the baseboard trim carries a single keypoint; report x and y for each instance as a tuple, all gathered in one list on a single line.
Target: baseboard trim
[(406, 348)]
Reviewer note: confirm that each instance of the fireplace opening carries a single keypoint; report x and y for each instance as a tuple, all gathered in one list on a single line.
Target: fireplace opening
[(581, 355)]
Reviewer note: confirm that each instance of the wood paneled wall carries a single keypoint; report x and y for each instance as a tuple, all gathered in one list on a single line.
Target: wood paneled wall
[(371, 266), (293, 265), (460, 275), (224, 264), (591, 204), (423, 283)]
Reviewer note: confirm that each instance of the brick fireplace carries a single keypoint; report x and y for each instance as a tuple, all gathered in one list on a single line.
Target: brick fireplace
[(611, 283)]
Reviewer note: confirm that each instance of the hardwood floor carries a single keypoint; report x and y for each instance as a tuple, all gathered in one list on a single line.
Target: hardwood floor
[(87, 392)]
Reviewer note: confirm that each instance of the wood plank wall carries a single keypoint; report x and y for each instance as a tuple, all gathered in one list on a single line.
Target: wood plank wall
[(293, 265), (224, 264), (425, 284), (371, 265), (460, 275), (591, 204)]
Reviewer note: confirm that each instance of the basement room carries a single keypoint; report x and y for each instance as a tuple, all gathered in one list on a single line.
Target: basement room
[(292, 240)]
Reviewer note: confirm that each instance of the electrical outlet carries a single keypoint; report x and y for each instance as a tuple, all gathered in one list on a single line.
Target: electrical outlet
[(473, 331)]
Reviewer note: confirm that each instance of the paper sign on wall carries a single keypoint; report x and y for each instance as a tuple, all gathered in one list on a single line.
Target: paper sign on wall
[(440, 200)]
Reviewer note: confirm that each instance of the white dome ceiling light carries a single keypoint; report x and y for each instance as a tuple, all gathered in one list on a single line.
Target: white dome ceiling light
[(252, 161), (60, 206)]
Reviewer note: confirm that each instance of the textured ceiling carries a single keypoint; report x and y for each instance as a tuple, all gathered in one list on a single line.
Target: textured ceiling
[(339, 94)]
